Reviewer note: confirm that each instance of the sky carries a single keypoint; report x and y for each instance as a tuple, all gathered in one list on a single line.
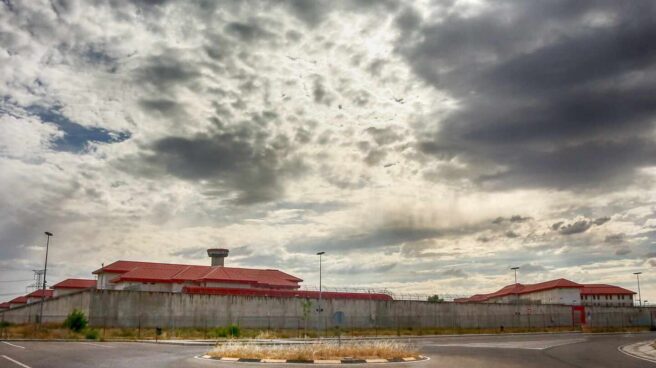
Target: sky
[(426, 147)]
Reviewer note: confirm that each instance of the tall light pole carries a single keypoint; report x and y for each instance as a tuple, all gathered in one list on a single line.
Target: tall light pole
[(45, 270), (320, 254), (515, 269), (638, 278)]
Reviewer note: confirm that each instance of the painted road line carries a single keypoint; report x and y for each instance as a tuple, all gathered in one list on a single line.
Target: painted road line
[(102, 346), (377, 360), (327, 361), (16, 362), (230, 359), (16, 346)]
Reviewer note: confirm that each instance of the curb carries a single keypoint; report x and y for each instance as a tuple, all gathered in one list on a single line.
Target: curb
[(317, 361), (628, 349)]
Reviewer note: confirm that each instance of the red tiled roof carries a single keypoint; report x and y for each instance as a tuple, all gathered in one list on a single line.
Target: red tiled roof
[(519, 289), (125, 266), (284, 293), (596, 289), (39, 293), (75, 284), (166, 272), (4, 305), (19, 300)]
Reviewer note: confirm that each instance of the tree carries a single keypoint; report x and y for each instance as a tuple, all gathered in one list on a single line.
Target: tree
[(76, 321), (435, 299)]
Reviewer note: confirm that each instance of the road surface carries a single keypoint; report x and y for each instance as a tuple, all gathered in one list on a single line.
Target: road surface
[(525, 351)]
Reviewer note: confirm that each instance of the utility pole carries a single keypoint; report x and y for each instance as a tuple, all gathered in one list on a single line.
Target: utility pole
[(320, 310), (638, 278), (45, 270), (515, 269)]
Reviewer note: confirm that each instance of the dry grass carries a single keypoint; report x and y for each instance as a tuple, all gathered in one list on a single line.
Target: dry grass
[(367, 350)]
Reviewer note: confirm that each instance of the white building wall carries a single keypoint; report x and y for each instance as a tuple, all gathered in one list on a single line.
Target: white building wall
[(568, 296), (608, 300), (104, 279)]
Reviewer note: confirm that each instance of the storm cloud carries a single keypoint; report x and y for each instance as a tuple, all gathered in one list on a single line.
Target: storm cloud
[(242, 160), (558, 94)]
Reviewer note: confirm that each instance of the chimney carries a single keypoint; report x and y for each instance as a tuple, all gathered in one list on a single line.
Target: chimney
[(217, 255)]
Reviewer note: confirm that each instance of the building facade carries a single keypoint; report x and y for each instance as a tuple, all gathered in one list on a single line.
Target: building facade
[(560, 291)]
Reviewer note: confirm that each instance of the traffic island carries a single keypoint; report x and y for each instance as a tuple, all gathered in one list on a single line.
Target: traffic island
[(317, 353), (645, 350)]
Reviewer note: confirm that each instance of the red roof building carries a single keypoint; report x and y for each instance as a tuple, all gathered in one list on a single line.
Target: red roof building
[(18, 301), (4, 306), (151, 276), (39, 294), (69, 286), (560, 291)]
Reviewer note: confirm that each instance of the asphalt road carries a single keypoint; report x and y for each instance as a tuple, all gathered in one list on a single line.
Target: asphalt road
[(526, 351)]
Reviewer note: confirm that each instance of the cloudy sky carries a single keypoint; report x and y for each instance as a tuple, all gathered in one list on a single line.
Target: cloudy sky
[(426, 147)]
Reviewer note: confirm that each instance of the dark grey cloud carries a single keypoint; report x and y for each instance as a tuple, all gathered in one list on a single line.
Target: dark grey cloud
[(511, 219), (383, 136), (557, 225), (547, 97), (614, 238), (575, 227), (601, 220), (454, 272), (622, 251), (166, 71), (391, 236), (245, 160), (580, 226), (511, 234), (247, 32)]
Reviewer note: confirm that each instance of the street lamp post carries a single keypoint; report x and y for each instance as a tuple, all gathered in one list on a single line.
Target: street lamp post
[(319, 309), (639, 295), (515, 269), (45, 270)]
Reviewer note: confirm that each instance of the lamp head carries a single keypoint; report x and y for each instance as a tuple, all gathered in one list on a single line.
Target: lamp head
[(48, 233), (320, 253)]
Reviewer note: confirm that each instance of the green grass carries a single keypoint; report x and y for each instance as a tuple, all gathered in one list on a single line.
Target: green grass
[(57, 331)]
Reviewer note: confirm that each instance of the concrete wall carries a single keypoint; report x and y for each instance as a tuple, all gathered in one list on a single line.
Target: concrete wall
[(54, 309), (169, 310)]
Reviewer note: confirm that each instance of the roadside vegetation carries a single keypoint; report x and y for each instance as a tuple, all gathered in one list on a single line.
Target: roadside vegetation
[(64, 331), (323, 351)]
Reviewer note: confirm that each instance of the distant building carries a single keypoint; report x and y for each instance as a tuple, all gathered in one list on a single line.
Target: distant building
[(150, 276), (560, 291), (4, 306), (606, 295), (37, 295), (17, 302), (72, 285), (193, 279)]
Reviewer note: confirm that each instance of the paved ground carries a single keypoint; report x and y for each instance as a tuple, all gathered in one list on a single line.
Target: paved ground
[(527, 351)]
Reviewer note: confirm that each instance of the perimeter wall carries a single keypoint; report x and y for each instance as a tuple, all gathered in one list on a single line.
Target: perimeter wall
[(118, 308)]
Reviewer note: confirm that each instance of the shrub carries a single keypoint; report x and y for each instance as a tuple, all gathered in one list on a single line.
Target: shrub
[(4, 324), (234, 331), (76, 321), (230, 331), (91, 334)]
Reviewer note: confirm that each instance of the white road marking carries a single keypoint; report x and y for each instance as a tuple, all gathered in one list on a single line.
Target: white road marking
[(16, 346), (16, 361), (530, 345), (90, 343)]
